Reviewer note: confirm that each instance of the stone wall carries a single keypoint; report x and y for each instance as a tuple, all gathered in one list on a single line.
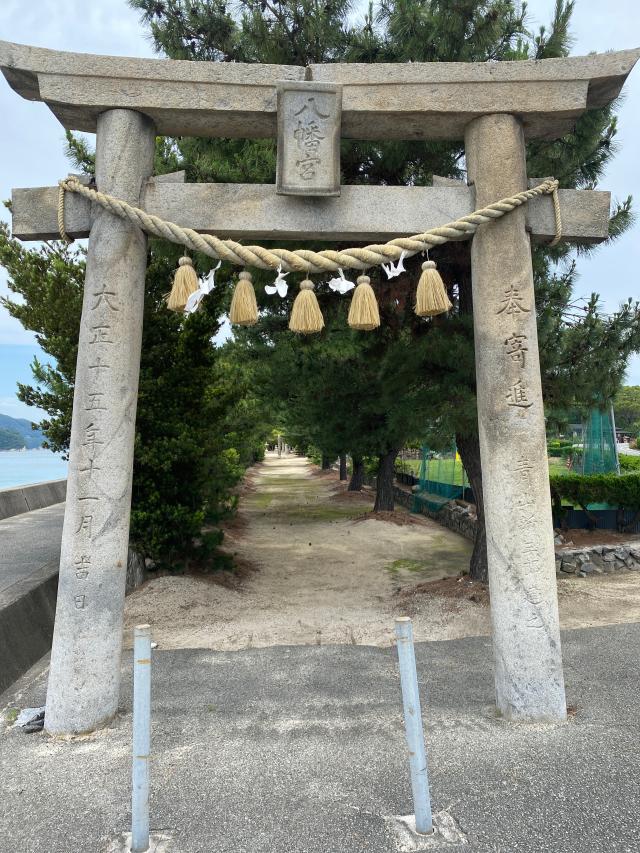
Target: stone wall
[(135, 570), (455, 516), (598, 559)]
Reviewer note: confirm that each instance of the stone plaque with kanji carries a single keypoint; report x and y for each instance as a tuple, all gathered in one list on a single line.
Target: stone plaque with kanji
[(309, 139)]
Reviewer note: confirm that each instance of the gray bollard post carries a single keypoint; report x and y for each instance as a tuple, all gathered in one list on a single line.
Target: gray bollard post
[(141, 738), (413, 726)]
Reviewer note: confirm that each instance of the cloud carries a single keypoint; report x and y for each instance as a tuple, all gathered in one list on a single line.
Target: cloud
[(11, 331), (32, 142), (99, 26), (15, 409)]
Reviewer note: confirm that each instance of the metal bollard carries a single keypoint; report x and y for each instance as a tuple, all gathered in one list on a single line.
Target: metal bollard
[(141, 738), (413, 726)]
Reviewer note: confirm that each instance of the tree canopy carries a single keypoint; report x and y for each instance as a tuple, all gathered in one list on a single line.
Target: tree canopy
[(366, 393), (627, 409), (369, 393)]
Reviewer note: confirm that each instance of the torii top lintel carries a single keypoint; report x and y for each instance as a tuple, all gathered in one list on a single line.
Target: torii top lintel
[(434, 100)]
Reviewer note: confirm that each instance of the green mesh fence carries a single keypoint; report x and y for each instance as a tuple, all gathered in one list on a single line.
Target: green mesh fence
[(599, 451), (442, 478)]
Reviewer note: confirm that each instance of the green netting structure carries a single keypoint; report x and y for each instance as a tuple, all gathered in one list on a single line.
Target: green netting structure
[(442, 478), (599, 451)]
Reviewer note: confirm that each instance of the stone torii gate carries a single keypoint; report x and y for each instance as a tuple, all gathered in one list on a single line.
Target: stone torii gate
[(494, 107)]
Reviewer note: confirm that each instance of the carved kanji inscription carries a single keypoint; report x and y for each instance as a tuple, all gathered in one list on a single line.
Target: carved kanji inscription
[(309, 138)]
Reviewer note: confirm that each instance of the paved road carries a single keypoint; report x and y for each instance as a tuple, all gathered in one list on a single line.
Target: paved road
[(300, 749), (29, 543), (624, 448)]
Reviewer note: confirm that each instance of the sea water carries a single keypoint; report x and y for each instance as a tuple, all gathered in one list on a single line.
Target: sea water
[(22, 467)]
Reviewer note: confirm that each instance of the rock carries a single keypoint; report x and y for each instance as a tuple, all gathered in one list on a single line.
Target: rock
[(581, 574), (569, 566), (558, 540), (609, 557), (586, 568), (30, 720), (621, 553), (635, 553)]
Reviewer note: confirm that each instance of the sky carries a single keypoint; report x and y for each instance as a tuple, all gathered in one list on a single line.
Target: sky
[(32, 140)]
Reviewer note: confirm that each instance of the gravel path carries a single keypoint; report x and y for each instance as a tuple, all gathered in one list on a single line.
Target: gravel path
[(325, 575)]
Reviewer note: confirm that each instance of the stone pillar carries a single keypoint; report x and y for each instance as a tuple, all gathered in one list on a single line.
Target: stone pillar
[(84, 679), (524, 604)]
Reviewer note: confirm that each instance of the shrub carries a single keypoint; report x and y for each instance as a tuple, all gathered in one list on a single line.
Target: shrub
[(583, 489), (558, 444), (629, 463)]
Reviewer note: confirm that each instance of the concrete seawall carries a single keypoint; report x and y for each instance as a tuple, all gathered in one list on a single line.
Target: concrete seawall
[(27, 614), (27, 498), (31, 520)]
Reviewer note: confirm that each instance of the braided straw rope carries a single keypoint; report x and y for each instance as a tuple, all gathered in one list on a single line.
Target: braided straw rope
[(304, 260)]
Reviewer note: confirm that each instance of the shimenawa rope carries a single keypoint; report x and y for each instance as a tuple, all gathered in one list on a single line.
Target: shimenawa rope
[(304, 260)]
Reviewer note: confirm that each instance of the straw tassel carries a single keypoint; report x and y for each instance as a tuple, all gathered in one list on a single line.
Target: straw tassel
[(185, 283), (244, 308), (306, 316), (431, 296), (363, 312)]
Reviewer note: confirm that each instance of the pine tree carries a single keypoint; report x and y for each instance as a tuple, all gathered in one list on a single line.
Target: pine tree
[(192, 439), (584, 351)]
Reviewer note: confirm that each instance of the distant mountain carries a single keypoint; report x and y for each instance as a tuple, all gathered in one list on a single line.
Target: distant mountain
[(18, 432)]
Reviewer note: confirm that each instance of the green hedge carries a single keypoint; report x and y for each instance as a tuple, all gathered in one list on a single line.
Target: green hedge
[(629, 463), (558, 444), (571, 450), (582, 489)]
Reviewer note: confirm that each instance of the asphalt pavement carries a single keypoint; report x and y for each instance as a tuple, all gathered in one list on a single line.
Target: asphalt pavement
[(301, 750), (29, 545)]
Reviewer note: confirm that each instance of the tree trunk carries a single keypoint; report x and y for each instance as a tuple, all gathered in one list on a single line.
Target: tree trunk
[(326, 462), (385, 501), (469, 449), (469, 444), (357, 475), (343, 466)]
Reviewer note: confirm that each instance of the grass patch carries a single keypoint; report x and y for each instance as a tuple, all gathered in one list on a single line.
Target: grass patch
[(262, 500), (319, 512), (557, 467), (11, 715), (438, 470), (441, 470), (406, 566), (288, 483)]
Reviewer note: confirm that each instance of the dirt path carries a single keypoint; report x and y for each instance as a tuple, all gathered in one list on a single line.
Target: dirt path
[(324, 575)]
